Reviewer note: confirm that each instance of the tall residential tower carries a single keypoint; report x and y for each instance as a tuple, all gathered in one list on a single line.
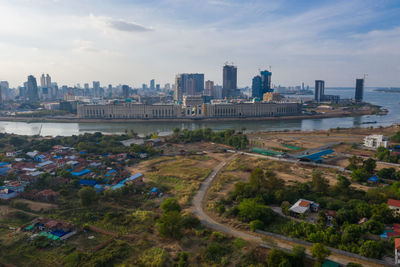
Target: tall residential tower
[(229, 81), (319, 90), (359, 90)]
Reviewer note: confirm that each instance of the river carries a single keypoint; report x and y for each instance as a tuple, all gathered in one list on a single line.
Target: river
[(389, 101)]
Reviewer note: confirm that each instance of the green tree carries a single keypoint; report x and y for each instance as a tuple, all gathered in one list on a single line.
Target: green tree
[(299, 254), (170, 224), (251, 209), (320, 253), (275, 257), (154, 257), (371, 249), (256, 225), (215, 252), (318, 183), (87, 195), (360, 175), (354, 162), (17, 141), (343, 182), (369, 165), (170, 204), (285, 207), (387, 173), (257, 179)]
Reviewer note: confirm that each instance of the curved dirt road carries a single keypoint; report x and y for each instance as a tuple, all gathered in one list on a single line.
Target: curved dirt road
[(198, 201), (197, 207)]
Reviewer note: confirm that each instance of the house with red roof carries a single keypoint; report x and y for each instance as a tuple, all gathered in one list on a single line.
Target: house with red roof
[(394, 205), (303, 206)]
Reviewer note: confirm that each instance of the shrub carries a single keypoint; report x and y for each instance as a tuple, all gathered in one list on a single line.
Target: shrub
[(170, 204), (154, 257), (256, 225)]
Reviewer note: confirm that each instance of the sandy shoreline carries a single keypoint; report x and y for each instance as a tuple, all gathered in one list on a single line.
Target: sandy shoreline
[(78, 120)]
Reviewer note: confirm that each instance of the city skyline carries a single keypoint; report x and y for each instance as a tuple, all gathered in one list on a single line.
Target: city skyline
[(132, 42)]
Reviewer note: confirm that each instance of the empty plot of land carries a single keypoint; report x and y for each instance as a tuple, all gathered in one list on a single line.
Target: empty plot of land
[(37, 206)]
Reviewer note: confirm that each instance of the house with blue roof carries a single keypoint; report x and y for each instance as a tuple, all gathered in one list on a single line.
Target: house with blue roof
[(7, 193), (87, 182), (4, 164), (373, 179), (316, 157), (134, 179), (81, 173)]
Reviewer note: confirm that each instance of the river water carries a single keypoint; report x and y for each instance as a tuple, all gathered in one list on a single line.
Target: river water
[(390, 101)]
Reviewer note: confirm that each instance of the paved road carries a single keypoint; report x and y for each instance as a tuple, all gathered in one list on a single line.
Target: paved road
[(197, 207)]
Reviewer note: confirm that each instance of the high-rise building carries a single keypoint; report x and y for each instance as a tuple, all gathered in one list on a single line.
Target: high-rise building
[(152, 84), (125, 91), (158, 87), (1, 94), (43, 81), (144, 86), (209, 88), (4, 90), (189, 84), (96, 89), (319, 90), (48, 81), (167, 87), (359, 90), (266, 81), (229, 81), (178, 91), (256, 87), (32, 94)]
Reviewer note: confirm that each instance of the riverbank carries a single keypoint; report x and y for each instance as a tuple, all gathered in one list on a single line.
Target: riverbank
[(74, 119)]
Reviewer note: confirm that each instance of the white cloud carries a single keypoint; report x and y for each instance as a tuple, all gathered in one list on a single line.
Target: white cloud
[(118, 46)]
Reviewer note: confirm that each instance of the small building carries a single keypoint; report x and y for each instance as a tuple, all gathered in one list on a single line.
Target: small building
[(81, 173), (99, 188), (376, 140), (7, 193), (394, 205), (134, 141), (303, 206), (155, 192), (330, 215), (373, 179), (86, 182), (316, 157), (397, 251)]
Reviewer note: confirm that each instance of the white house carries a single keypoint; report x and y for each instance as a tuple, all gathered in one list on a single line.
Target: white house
[(303, 206), (375, 141)]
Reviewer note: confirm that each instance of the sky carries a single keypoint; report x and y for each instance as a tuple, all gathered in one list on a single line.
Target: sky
[(133, 41)]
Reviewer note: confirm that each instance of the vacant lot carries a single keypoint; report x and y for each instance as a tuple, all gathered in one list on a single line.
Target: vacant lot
[(36, 206), (179, 175), (316, 139)]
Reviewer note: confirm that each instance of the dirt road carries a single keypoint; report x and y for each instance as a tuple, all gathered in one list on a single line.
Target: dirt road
[(198, 204)]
